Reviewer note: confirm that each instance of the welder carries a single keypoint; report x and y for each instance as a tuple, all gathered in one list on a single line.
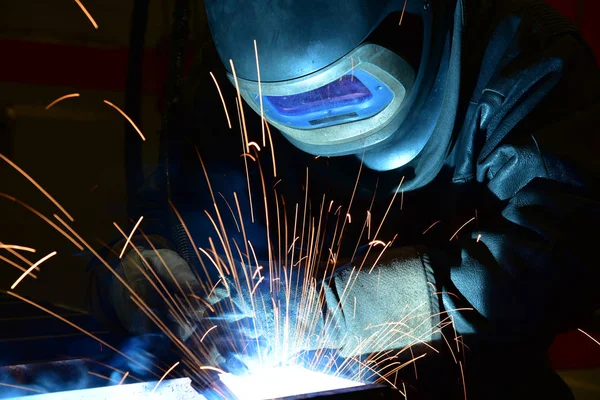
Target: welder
[(488, 112)]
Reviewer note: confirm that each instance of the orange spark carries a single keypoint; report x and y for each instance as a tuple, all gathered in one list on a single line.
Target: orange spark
[(34, 266), (164, 376), (127, 118), (403, 10), (20, 387), (14, 264), (16, 247), (37, 185), (66, 96), (206, 333), (432, 225), (459, 229), (87, 14), (590, 336), (462, 373), (130, 235), (124, 377), (222, 99), (250, 156)]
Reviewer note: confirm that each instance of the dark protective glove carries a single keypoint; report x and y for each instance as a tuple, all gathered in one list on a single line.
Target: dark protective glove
[(371, 309), (132, 268)]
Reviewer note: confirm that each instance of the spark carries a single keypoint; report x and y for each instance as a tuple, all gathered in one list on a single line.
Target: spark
[(33, 210), (240, 108), (462, 373), (206, 333), (478, 238), (14, 264), (16, 247), (127, 118), (459, 229), (20, 387), (402, 15), (130, 235), (123, 378), (164, 376), (222, 99), (432, 225), (63, 319), (87, 14), (377, 243), (34, 266), (262, 113), (207, 367), (250, 156), (66, 96), (590, 336), (349, 217), (254, 144), (37, 185)]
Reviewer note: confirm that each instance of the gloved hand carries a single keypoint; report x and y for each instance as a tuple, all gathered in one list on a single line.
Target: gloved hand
[(356, 311), (173, 274)]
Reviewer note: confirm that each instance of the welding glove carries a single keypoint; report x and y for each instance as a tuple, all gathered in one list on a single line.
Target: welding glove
[(374, 304), (160, 279)]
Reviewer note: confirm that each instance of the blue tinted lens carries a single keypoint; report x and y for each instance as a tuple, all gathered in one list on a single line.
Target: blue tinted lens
[(348, 90), (352, 97)]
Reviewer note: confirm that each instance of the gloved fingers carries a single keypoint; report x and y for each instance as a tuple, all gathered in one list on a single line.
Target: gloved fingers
[(172, 270)]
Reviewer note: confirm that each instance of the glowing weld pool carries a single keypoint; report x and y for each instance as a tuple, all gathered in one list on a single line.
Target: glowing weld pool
[(273, 383)]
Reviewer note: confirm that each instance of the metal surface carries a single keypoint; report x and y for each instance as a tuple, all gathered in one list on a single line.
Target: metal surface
[(174, 389)]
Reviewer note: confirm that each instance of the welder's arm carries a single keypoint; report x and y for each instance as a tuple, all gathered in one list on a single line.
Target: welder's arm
[(389, 303)]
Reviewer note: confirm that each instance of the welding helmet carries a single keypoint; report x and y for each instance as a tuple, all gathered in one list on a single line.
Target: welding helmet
[(333, 78)]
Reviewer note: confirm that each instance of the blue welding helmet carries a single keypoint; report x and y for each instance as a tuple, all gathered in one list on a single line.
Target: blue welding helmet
[(337, 77)]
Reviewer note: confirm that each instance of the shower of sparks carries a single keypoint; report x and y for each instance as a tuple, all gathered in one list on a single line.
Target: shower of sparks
[(85, 11), (37, 185), (34, 266), (461, 228), (130, 235), (222, 99), (164, 376), (127, 118), (66, 96), (16, 247), (590, 336)]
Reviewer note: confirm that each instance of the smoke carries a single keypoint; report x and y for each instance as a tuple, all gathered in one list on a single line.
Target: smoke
[(146, 354), (43, 378)]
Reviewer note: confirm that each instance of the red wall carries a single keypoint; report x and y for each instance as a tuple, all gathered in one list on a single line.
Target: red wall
[(585, 14)]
